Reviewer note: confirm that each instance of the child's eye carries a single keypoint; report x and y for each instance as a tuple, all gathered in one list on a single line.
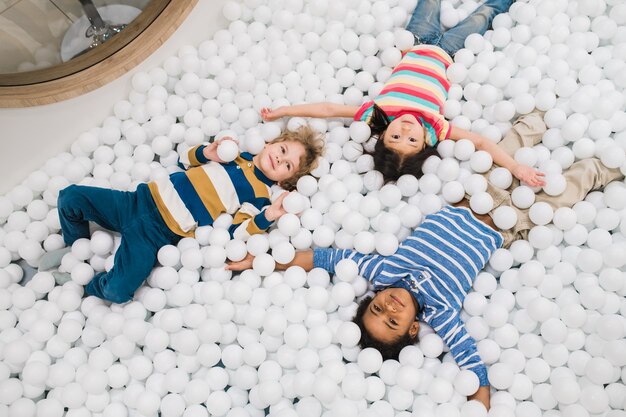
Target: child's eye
[(377, 308), (288, 167), (395, 323), (282, 148), (395, 136), (412, 140)]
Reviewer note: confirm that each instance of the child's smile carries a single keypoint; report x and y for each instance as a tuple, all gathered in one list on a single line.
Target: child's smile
[(280, 161), (391, 314)]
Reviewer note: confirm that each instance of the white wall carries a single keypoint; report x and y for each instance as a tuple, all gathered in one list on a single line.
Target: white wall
[(30, 136)]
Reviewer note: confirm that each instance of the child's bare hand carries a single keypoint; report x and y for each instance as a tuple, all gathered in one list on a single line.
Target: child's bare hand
[(269, 115), (276, 210), (245, 263), (483, 395), (529, 175), (210, 151)]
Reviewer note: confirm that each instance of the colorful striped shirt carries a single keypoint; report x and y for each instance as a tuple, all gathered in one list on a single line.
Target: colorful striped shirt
[(437, 264), (418, 85), (197, 196)]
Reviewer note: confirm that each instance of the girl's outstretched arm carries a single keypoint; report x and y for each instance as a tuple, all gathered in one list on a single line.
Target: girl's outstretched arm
[(303, 259), (320, 110), (523, 173), (483, 395)]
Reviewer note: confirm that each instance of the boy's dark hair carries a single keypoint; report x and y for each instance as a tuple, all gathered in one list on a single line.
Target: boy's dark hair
[(387, 350), (388, 162), (313, 143)]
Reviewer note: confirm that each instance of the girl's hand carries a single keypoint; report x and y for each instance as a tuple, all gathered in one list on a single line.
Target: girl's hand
[(269, 115), (245, 263), (276, 210), (210, 151), (528, 175), (483, 395)]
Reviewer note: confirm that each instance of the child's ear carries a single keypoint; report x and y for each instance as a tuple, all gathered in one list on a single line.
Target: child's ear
[(415, 327)]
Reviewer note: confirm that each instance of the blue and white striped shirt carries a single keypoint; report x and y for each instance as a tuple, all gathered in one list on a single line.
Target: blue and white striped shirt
[(437, 264)]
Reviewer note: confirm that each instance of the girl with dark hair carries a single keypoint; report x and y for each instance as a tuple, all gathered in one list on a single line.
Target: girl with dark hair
[(406, 116)]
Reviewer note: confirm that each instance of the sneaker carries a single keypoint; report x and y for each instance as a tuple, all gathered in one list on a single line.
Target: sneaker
[(53, 258), (61, 277)]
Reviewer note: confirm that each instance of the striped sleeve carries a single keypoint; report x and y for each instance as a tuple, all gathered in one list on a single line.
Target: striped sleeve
[(449, 326), (193, 156), (364, 111), (249, 220), (369, 265)]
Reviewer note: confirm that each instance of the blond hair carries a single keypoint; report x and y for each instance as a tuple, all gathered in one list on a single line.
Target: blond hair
[(313, 148)]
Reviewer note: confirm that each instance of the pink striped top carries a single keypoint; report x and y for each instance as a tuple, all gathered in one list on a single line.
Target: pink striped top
[(418, 84)]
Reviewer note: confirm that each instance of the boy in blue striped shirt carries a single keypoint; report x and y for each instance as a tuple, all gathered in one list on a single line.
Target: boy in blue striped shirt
[(165, 210)]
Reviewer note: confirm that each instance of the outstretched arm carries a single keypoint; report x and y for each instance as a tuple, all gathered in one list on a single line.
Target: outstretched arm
[(369, 265), (303, 259), (483, 395), (320, 110), (523, 173), (448, 324)]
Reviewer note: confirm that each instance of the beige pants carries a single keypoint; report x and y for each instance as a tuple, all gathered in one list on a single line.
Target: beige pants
[(582, 177)]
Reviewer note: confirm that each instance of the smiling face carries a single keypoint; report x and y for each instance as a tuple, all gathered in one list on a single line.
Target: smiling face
[(391, 314), (405, 135), (279, 161)]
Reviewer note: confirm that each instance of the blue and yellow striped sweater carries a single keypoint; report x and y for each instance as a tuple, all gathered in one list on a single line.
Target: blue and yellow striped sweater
[(197, 196)]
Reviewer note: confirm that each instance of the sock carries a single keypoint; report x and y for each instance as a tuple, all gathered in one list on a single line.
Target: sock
[(53, 259), (61, 277)]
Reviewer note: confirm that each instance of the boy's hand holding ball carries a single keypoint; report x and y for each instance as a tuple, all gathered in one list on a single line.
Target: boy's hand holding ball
[(276, 210), (222, 150), (227, 150)]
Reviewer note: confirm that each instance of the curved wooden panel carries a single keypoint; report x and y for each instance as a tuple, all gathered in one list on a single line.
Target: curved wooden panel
[(100, 66)]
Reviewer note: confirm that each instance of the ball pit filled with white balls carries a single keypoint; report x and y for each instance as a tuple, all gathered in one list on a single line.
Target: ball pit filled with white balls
[(197, 341)]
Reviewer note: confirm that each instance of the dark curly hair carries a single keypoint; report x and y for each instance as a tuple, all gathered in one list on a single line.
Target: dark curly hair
[(387, 161), (387, 350)]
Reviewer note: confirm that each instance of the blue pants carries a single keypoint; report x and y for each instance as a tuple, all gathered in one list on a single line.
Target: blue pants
[(425, 24), (135, 216)]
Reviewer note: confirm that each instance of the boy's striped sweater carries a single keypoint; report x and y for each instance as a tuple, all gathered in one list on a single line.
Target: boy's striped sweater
[(197, 196)]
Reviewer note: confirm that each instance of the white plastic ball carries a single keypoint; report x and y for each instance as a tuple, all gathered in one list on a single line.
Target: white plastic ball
[(227, 150), (481, 203)]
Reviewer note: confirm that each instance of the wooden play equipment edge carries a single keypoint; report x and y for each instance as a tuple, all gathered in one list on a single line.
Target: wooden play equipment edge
[(99, 67)]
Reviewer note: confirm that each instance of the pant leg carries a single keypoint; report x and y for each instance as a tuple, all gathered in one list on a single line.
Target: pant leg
[(582, 177), (78, 205), (141, 240), (425, 23), (526, 131), (134, 261), (477, 22)]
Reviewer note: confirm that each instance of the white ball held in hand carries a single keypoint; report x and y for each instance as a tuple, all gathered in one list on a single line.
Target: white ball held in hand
[(227, 150)]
